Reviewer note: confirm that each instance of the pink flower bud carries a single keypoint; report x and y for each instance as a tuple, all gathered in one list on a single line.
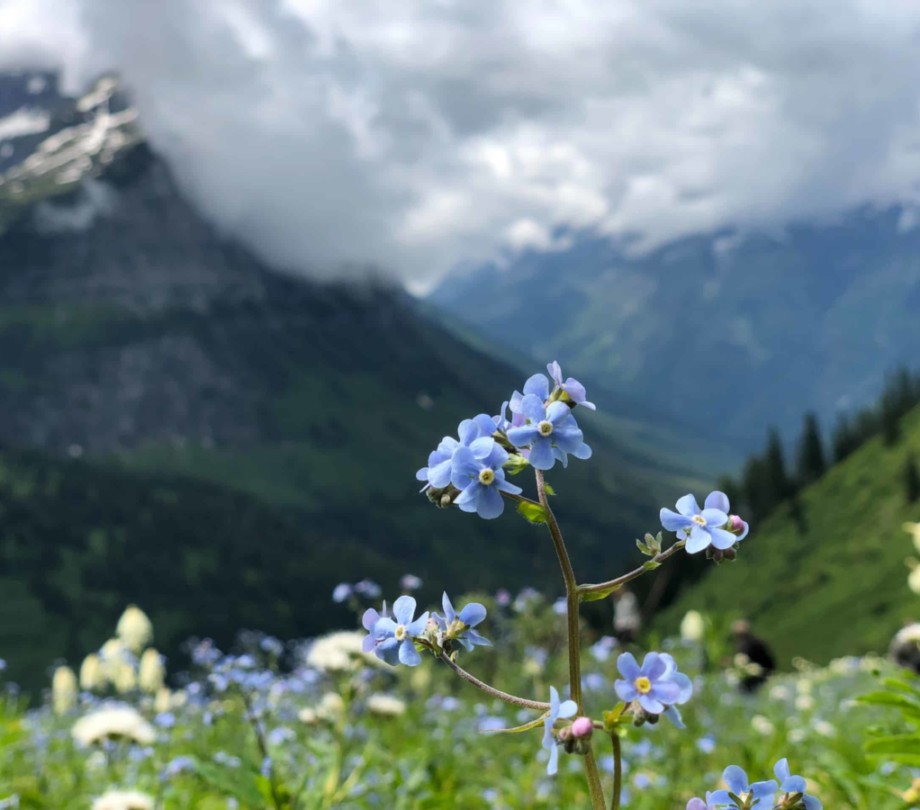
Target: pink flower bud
[(582, 727), (735, 524)]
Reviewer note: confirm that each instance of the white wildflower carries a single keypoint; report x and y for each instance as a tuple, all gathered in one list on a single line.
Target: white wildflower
[(337, 652), (762, 725), (92, 673), (134, 629), (115, 721), (692, 627), (63, 690), (123, 800), (385, 705), (151, 671)]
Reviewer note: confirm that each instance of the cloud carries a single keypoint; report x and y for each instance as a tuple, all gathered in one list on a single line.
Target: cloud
[(419, 135)]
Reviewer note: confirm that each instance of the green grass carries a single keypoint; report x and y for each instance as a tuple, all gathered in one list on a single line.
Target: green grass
[(834, 582)]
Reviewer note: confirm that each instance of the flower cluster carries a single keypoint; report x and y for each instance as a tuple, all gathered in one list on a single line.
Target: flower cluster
[(653, 689), (470, 471), (396, 639), (741, 795), (712, 527)]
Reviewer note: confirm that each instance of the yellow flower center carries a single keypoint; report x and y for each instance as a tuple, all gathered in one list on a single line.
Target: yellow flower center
[(643, 685), (486, 476), (699, 520), (545, 427), (400, 632)]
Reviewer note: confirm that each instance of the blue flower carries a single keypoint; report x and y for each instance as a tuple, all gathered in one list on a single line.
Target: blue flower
[(477, 472), (399, 633), (550, 431), (460, 625), (557, 711), (699, 804), (700, 527), (655, 686), (437, 473), (573, 389), (760, 793), (373, 639), (794, 784)]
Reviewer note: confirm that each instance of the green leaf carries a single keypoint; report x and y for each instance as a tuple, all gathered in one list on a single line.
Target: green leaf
[(644, 548), (907, 706), (518, 729), (650, 565), (594, 596), (532, 512), (548, 489), (899, 747)]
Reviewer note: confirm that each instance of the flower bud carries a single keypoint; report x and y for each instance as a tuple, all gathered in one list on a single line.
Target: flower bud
[(582, 727), (735, 524)]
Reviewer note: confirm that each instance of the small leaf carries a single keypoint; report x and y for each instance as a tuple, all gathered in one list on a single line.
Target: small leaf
[(594, 596), (548, 489), (650, 565), (644, 548), (518, 729), (532, 512)]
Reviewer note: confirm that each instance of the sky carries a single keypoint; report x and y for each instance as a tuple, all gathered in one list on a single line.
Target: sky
[(421, 136)]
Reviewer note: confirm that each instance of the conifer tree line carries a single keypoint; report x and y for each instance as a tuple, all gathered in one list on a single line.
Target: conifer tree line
[(767, 480)]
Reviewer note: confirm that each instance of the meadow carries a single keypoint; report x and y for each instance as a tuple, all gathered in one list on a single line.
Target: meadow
[(320, 724)]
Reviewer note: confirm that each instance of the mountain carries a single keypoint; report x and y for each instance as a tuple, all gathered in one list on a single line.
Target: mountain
[(825, 577), (157, 353), (729, 332)]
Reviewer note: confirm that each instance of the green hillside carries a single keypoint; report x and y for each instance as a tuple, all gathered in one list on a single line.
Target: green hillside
[(831, 581)]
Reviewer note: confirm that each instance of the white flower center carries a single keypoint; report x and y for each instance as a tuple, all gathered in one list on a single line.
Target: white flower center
[(545, 427), (400, 632), (486, 476), (699, 520)]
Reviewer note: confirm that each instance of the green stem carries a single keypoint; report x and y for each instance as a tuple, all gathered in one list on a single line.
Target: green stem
[(572, 600), (491, 690), (263, 749), (613, 584), (617, 772)]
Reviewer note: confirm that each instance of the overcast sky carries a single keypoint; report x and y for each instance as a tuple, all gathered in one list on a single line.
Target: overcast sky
[(424, 134)]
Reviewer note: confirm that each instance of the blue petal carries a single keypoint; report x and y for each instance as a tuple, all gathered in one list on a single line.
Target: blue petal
[(404, 609), (468, 499), (472, 614), (408, 655), (764, 790), (491, 503), (793, 784), (541, 454), (674, 522), (650, 705), (448, 607), (559, 411), (506, 486), (673, 715), (439, 475), (698, 540), (721, 538), (688, 506), (714, 517), (482, 447), (555, 372), (583, 451), (553, 765), (553, 703), (417, 627), (653, 666), (626, 690), (537, 386), (532, 408), (567, 708), (736, 779), (717, 500), (628, 666), (522, 436), (811, 803)]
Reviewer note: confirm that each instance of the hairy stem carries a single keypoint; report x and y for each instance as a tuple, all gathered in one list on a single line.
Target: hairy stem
[(571, 593), (491, 690), (617, 771), (572, 599), (613, 584)]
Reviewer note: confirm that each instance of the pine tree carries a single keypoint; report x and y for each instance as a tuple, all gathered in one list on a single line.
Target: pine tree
[(844, 441), (810, 465), (911, 480), (780, 487)]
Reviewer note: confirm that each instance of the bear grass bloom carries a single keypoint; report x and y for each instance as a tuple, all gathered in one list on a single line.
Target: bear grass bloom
[(701, 527), (758, 796), (477, 472), (459, 626), (656, 686), (399, 633), (550, 432), (557, 711)]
